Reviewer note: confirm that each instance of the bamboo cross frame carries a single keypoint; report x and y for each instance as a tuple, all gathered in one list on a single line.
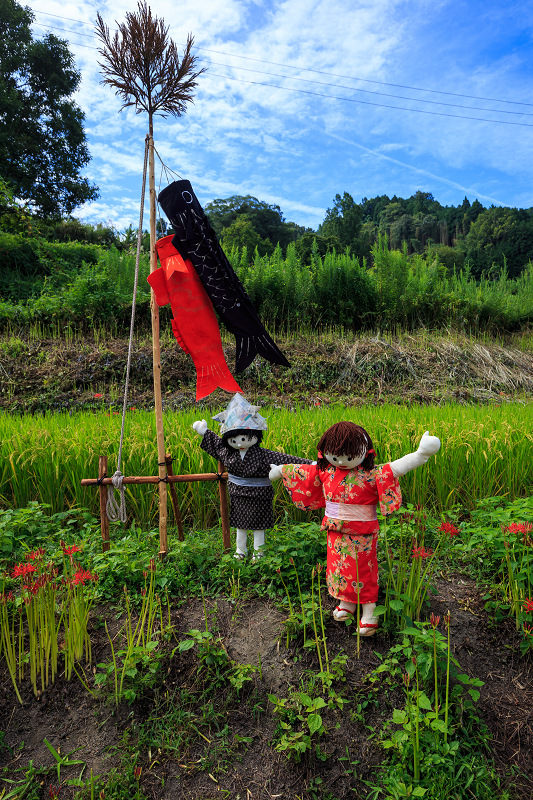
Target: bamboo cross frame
[(103, 481)]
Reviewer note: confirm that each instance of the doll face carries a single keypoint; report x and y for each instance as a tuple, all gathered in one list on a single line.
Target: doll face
[(344, 462), (242, 441)]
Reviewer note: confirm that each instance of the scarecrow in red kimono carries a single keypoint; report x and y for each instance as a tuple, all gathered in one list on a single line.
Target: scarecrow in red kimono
[(250, 490), (346, 482)]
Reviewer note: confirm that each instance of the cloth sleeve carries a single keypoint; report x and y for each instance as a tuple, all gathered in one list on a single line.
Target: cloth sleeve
[(388, 488), (277, 458), (304, 486), (212, 444)]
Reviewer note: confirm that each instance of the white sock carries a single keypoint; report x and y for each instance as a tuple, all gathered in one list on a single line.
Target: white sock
[(368, 613), (242, 537), (259, 539)]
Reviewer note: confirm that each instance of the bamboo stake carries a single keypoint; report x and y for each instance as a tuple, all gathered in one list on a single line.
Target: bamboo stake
[(174, 498), (224, 515), (133, 479), (163, 547), (104, 521)]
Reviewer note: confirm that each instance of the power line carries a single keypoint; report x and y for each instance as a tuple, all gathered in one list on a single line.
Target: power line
[(334, 97), (329, 74), (379, 105)]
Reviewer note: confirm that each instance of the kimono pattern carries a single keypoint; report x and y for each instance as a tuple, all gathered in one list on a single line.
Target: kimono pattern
[(352, 568), (251, 507)]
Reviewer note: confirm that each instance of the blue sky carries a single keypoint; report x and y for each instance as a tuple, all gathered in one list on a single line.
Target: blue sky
[(304, 99)]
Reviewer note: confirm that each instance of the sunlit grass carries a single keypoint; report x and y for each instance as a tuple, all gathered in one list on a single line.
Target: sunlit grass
[(486, 451)]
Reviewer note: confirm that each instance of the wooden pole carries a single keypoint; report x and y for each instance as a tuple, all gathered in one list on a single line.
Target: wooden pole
[(163, 548), (104, 521), (133, 479), (224, 515), (174, 498)]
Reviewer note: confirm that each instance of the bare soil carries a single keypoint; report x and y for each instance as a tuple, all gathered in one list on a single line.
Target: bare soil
[(249, 767)]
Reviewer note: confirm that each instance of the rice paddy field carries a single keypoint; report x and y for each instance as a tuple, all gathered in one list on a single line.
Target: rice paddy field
[(486, 451)]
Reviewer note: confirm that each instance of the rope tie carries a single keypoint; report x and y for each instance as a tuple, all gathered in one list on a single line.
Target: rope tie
[(116, 511), (220, 477)]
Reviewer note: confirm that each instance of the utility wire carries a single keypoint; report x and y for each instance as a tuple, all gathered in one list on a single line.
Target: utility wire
[(337, 86), (379, 105), (317, 71)]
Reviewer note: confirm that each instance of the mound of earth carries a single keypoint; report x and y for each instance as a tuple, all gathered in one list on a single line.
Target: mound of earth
[(237, 760)]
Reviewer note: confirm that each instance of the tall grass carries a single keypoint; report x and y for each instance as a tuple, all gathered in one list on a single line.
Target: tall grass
[(486, 451), (395, 289)]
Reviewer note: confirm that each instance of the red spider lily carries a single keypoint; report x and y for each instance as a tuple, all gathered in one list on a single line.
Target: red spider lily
[(528, 605), (434, 620), (448, 527), (23, 570), (82, 576), (6, 598), (97, 395), (137, 773), (406, 678), (53, 793), (68, 551), (519, 527), (447, 619), (528, 630), (421, 552), (35, 555)]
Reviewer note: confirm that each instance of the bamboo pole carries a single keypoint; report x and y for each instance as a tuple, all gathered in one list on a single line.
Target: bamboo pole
[(174, 498), (133, 479), (104, 521), (223, 495), (163, 547)]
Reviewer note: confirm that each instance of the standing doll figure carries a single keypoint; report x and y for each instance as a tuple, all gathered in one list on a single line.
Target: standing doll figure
[(346, 483), (250, 489)]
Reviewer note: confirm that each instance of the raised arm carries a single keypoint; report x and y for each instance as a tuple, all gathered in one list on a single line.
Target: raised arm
[(200, 426), (429, 445)]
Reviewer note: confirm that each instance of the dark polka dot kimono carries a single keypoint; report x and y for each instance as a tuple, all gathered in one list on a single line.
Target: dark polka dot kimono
[(251, 507)]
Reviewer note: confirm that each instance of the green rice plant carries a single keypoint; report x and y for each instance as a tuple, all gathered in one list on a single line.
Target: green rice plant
[(486, 451)]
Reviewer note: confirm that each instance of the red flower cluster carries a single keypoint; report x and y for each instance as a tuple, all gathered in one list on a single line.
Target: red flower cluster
[(421, 552), (528, 605), (519, 527), (68, 551), (23, 570), (448, 527), (82, 576), (35, 555)]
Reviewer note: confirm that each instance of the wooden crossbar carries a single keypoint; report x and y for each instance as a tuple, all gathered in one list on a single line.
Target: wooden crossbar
[(103, 481)]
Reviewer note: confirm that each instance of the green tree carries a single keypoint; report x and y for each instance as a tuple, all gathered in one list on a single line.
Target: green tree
[(267, 220), (241, 233), (42, 140), (344, 220)]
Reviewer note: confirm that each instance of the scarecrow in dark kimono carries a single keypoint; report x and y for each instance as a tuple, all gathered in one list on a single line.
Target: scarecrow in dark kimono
[(250, 490), (349, 486)]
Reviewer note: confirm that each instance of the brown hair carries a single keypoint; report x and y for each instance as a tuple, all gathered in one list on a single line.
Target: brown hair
[(345, 439)]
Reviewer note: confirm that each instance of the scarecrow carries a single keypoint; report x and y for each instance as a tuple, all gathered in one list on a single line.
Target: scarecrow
[(250, 490), (345, 481)]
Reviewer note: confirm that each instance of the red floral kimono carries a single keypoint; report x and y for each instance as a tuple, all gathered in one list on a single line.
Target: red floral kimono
[(350, 499)]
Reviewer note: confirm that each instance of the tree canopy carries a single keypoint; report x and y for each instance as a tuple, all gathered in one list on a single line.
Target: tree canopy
[(42, 140)]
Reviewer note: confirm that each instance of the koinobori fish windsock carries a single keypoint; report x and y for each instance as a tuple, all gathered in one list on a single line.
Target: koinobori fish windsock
[(196, 240), (194, 322)]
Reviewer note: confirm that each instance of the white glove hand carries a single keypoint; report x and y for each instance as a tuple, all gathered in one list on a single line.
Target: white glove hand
[(200, 426), (429, 445), (275, 472)]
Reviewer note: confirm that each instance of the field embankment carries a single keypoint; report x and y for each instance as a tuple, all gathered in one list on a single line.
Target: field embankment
[(52, 374)]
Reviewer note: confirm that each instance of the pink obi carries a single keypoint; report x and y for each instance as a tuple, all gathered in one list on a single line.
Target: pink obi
[(351, 512)]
